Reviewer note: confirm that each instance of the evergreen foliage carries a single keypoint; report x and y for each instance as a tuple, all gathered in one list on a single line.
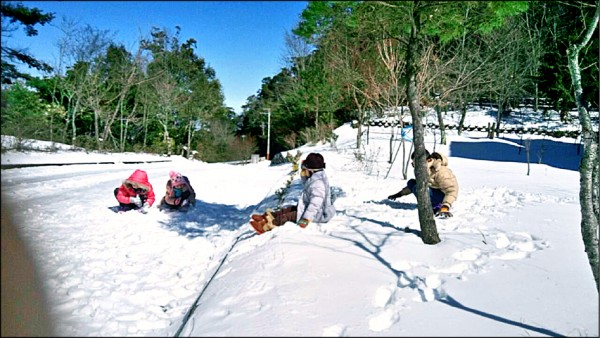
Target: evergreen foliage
[(13, 16)]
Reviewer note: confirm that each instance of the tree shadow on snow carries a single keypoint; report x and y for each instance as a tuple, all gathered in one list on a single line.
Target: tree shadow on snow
[(206, 219), (389, 225), (394, 204), (562, 155), (448, 300), (417, 282)]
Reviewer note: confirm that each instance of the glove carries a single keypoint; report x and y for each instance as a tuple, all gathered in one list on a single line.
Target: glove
[(444, 212), (303, 222), (136, 200), (145, 207), (185, 203), (392, 197)]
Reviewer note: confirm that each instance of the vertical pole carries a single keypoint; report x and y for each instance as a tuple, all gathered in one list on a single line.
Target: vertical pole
[(268, 131)]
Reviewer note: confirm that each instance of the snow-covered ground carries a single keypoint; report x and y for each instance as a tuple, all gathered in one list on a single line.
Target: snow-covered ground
[(511, 261)]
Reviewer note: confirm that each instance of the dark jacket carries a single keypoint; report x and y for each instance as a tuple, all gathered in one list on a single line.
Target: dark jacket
[(188, 194)]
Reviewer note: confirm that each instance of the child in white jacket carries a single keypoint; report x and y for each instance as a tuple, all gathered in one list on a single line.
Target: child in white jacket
[(314, 204)]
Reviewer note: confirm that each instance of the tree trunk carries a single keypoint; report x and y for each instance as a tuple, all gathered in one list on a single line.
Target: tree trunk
[(498, 118), (588, 170), (407, 157), (391, 154), (360, 121), (74, 131), (438, 110), (189, 140), (145, 123), (97, 129), (427, 222), (317, 114), (463, 115)]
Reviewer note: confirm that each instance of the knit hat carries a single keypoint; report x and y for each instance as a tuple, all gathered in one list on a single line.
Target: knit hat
[(176, 178), (313, 161)]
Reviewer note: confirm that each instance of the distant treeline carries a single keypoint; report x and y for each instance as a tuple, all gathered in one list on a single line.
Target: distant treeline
[(343, 61)]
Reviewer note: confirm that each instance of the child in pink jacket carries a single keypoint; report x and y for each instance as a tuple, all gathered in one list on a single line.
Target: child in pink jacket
[(136, 192)]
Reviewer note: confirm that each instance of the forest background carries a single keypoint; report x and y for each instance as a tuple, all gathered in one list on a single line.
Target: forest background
[(346, 61)]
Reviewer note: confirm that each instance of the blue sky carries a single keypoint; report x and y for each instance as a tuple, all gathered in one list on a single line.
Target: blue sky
[(243, 41)]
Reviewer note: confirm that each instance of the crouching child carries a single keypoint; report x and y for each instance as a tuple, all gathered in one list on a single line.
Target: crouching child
[(179, 193), (135, 193)]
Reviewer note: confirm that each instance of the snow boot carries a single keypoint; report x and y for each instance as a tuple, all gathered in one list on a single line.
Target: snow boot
[(257, 227), (263, 223), (258, 222)]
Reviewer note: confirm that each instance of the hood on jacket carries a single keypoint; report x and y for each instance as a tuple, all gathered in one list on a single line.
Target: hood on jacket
[(436, 163), (140, 177), (444, 160)]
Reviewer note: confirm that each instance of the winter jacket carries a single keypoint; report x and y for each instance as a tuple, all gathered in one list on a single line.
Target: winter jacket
[(188, 194), (315, 202), (138, 178), (442, 178)]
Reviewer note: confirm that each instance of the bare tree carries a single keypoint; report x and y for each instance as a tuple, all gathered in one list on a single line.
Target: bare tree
[(125, 75), (510, 67), (391, 93), (79, 47), (167, 94), (589, 194), (344, 57)]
